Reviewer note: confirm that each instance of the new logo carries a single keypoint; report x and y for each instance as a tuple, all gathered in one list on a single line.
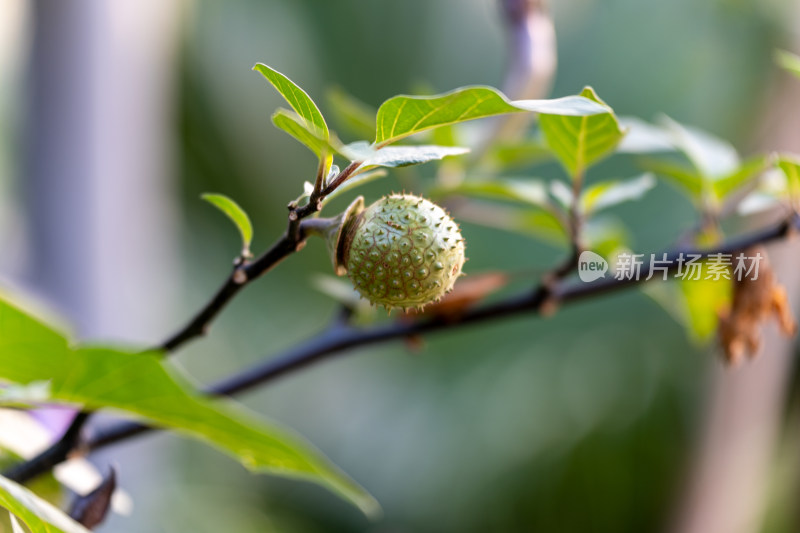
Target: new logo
[(591, 266)]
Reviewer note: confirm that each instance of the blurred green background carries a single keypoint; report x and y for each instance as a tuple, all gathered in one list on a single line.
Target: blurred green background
[(583, 421)]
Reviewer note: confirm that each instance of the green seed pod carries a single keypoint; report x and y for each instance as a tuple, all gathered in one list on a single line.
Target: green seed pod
[(402, 251)]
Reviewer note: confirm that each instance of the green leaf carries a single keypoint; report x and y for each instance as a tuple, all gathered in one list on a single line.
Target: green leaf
[(610, 193), (527, 220), (788, 61), (39, 515), (540, 224), (695, 301), (643, 138), (404, 115), (302, 104), (580, 141), (749, 170), (294, 125), (606, 235), (527, 192), (695, 304), (791, 168), (148, 387), (776, 186), (757, 202), (445, 135), (354, 114), (354, 181), (398, 156), (710, 155), (519, 154), (717, 170), (237, 216), (684, 178), (703, 301)]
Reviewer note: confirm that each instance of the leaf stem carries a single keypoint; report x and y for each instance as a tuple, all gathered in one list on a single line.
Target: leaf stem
[(574, 225)]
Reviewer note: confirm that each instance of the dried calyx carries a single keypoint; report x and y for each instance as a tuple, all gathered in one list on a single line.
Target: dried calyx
[(755, 300), (402, 251)]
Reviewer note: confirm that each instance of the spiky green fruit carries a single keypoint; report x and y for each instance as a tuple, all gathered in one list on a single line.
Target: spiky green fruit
[(402, 251)]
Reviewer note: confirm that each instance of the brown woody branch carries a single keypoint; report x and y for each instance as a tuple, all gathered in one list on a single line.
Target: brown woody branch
[(340, 337)]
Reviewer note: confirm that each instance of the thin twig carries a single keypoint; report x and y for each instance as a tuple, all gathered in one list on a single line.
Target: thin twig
[(242, 275), (55, 454)]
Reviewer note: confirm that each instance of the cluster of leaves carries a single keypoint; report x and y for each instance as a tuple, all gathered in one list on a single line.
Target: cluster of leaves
[(565, 212), (395, 120), (38, 362), (549, 211)]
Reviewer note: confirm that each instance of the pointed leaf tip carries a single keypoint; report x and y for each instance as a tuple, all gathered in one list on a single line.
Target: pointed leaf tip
[(404, 115), (610, 193), (296, 97), (237, 216), (299, 128), (580, 141)]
